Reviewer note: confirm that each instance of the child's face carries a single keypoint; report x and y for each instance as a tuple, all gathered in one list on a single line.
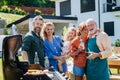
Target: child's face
[(71, 34)]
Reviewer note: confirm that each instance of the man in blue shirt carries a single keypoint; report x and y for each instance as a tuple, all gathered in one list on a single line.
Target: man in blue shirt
[(33, 42)]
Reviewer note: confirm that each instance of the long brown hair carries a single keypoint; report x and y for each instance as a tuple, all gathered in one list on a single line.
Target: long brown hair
[(44, 34), (81, 26)]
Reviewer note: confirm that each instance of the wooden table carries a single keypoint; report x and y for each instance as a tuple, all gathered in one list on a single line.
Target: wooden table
[(114, 77), (114, 63)]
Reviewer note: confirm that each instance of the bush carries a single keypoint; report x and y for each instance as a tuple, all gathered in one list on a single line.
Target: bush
[(18, 11), (117, 43), (37, 11), (5, 9), (5, 31), (22, 12), (53, 14)]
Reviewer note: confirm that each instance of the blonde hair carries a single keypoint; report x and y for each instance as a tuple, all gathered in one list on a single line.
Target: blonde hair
[(67, 34), (81, 26), (44, 34)]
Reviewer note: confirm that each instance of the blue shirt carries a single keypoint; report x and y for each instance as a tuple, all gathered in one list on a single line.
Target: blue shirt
[(54, 49)]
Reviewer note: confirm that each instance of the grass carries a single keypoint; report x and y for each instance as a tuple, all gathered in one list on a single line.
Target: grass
[(10, 17), (1, 72), (114, 71)]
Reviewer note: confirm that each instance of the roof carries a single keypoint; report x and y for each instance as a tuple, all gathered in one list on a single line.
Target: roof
[(44, 16)]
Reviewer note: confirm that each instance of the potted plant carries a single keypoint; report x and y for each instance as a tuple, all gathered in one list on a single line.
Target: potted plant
[(117, 46)]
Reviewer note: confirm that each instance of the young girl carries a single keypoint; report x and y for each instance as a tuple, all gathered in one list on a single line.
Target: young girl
[(70, 35), (78, 51)]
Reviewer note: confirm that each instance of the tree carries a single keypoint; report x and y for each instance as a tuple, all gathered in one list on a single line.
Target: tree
[(34, 3), (47, 3)]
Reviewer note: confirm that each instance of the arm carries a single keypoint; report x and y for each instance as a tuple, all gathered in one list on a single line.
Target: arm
[(49, 54), (104, 44), (25, 47), (73, 47), (24, 55)]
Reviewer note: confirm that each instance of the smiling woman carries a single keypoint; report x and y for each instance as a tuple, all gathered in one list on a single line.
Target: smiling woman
[(52, 48)]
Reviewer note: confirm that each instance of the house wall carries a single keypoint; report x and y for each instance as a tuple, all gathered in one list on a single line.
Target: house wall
[(57, 8), (98, 15), (59, 28), (110, 16)]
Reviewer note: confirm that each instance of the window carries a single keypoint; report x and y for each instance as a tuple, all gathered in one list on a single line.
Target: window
[(87, 5), (109, 28), (113, 5), (65, 8)]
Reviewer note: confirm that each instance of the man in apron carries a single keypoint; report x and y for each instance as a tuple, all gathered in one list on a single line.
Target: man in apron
[(99, 49)]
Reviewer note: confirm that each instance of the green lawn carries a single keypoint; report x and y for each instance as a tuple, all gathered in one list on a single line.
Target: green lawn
[(1, 73), (10, 17)]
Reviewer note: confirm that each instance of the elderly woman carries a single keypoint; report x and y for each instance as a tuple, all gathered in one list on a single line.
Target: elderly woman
[(52, 46), (78, 51)]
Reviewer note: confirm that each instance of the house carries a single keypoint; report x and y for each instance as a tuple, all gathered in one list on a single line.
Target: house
[(24, 24), (105, 12), (72, 12)]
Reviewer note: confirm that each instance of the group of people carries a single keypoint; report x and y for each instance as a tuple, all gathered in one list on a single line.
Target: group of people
[(88, 46)]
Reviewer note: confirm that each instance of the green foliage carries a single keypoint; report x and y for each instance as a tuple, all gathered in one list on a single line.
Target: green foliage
[(64, 30), (10, 17), (3, 2), (37, 11), (18, 11), (47, 3), (11, 2), (5, 31), (53, 14), (34, 3), (117, 43), (5, 9)]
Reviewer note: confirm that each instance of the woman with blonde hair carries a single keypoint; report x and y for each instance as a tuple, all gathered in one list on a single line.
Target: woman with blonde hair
[(78, 51), (52, 46)]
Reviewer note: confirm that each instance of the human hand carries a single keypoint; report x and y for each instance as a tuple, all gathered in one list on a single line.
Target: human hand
[(92, 55), (62, 59), (64, 53)]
